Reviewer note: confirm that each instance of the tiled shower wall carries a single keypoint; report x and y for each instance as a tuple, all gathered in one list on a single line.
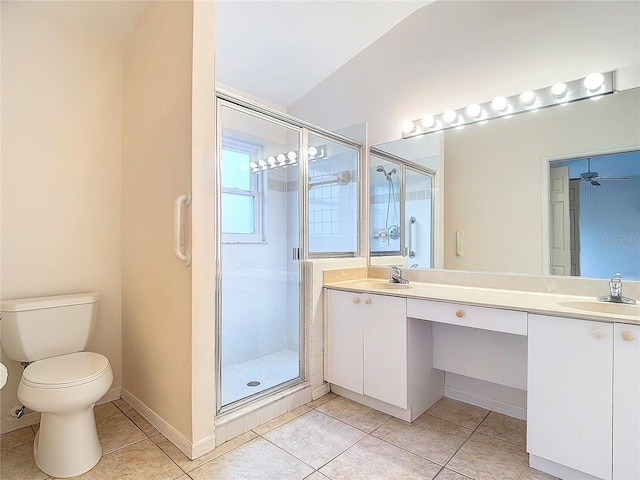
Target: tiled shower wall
[(255, 286), (333, 208), (418, 205), (378, 202)]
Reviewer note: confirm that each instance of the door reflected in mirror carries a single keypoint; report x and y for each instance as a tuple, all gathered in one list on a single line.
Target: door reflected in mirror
[(594, 216)]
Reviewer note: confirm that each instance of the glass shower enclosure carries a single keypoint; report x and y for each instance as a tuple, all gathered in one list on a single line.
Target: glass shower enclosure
[(259, 334), (401, 210)]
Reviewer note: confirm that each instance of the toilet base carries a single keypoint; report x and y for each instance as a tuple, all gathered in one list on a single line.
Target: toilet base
[(67, 443)]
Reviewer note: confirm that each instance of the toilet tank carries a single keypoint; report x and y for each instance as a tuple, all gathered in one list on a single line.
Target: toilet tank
[(42, 327)]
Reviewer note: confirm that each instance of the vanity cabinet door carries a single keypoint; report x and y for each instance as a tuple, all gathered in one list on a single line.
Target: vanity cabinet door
[(385, 348), (367, 345), (569, 393), (344, 348), (626, 401)]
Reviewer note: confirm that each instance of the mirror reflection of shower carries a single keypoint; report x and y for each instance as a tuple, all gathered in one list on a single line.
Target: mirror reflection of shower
[(391, 231)]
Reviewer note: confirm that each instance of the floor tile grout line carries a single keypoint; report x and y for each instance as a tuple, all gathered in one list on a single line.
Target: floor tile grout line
[(463, 444), (291, 454), (409, 451)]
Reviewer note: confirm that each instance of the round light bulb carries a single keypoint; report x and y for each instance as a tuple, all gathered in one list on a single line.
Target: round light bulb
[(594, 81), (528, 98), (559, 89), (281, 158), (253, 164), (262, 162), (407, 127), (428, 121), (292, 155), (271, 160), (499, 104), (473, 110), (450, 116), (313, 151)]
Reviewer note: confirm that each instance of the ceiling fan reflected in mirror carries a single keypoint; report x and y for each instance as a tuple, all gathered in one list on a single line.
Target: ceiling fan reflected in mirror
[(594, 177)]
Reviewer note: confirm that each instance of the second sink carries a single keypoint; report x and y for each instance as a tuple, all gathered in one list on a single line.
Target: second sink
[(603, 307)]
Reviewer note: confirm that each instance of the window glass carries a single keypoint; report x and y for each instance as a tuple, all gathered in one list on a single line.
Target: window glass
[(235, 169), (241, 192), (238, 213)]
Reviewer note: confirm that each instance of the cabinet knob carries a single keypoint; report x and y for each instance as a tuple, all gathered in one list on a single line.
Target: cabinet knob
[(356, 300), (598, 333), (627, 336), (367, 301), (460, 314)]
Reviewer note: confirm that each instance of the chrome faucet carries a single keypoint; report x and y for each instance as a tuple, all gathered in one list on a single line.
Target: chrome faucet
[(615, 292), (396, 276)]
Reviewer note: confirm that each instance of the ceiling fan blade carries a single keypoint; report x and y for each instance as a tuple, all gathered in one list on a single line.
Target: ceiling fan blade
[(596, 183)]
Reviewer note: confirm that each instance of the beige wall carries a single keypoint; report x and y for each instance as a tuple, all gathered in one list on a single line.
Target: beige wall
[(61, 143), (156, 168), (494, 183)]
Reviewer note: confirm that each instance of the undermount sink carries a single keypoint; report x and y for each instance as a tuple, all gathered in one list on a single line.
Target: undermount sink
[(382, 286), (392, 286), (605, 307)]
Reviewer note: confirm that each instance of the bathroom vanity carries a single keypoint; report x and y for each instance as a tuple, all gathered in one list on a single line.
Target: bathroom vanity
[(388, 346)]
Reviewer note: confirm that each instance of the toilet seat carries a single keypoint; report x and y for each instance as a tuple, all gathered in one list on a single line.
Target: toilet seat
[(66, 371)]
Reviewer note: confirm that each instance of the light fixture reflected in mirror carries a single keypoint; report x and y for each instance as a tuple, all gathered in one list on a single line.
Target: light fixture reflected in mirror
[(592, 86), (284, 160)]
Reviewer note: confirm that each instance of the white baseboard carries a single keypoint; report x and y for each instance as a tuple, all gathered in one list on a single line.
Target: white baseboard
[(33, 418), (183, 444), (320, 391), (488, 403), (557, 470)]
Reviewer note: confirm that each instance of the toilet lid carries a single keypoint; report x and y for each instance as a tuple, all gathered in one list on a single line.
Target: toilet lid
[(66, 370)]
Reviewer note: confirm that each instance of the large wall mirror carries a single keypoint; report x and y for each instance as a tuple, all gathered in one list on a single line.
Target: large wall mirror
[(404, 203), (497, 214)]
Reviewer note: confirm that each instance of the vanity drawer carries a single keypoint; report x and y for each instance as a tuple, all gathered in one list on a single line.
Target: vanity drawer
[(495, 319)]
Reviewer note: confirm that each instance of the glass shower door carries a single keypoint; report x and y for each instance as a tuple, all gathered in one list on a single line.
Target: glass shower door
[(259, 320), (418, 208)]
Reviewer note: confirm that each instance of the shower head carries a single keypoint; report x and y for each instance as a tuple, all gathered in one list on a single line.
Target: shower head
[(381, 169)]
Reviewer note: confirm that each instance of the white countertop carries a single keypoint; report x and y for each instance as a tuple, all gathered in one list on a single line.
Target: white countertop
[(532, 302)]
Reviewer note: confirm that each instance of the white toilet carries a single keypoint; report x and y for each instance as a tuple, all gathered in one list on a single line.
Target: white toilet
[(64, 382)]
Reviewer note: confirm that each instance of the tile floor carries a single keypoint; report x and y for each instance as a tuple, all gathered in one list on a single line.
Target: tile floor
[(330, 438)]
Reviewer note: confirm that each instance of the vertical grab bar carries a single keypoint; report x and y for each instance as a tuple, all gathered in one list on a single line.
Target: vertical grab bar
[(411, 253), (178, 238)]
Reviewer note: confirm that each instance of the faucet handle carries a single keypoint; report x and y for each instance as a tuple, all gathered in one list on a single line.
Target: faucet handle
[(615, 284), (397, 270)]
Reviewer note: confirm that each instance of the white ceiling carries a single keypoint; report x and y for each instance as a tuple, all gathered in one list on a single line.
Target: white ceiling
[(274, 50), (111, 20), (280, 50)]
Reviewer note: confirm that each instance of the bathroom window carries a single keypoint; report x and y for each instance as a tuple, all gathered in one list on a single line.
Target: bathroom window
[(241, 193)]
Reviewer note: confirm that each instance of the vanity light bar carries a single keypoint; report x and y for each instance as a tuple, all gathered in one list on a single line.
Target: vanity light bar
[(283, 160), (593, 86)]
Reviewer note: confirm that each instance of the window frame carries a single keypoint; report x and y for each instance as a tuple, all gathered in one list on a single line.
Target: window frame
[(256, 191)]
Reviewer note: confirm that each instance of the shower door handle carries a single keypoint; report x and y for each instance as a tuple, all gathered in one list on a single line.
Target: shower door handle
[(411, 253), (178, 233)]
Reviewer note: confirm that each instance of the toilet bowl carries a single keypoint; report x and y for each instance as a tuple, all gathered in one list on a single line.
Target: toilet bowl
[(64, 389)]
